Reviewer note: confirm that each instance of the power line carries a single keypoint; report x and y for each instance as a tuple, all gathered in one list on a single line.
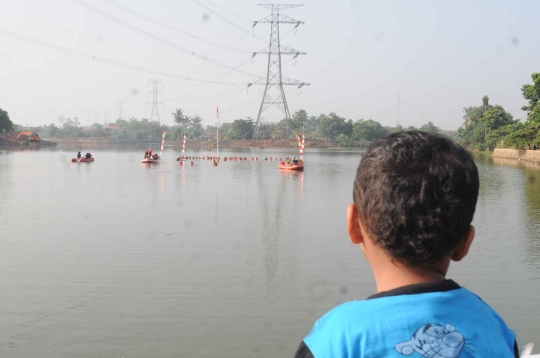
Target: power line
[(212, 105), (157, 38), (172, 28), (238, 108), (226, 20), (116, 63), (227, 10), (216, 78), (206, 97)]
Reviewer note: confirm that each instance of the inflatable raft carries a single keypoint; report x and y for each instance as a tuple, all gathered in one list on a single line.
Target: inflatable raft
[(82, 160), (149, 161), (285, 166)]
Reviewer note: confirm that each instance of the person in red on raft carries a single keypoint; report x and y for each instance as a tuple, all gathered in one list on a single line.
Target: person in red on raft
[(148, 153)]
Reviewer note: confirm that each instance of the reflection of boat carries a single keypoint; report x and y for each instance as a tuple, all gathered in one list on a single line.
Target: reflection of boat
[(285, 166), (82, 160)]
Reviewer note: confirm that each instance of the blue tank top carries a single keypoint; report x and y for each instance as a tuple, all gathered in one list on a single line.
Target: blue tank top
[(450, 324)]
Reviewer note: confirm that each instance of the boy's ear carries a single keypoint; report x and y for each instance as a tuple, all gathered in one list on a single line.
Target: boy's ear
[(463, 248), (353, 225)]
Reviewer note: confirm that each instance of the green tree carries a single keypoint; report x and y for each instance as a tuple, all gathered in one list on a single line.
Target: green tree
[(311, 128), (429, 127), (241, 129), (367, 130), (485, 101), (298, 121), (281, 130), (181, 119), (398, 128), (532, 94), (264, 130), (6, 125), (523, 135), (332, 125), (481, 121), (196, 129)]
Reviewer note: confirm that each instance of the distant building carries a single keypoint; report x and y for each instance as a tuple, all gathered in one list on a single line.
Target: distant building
[(112, 128)]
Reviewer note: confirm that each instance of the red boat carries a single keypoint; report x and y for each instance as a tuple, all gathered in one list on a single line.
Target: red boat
[(82, 160), (155, 158), (285, 166), (149, 161)]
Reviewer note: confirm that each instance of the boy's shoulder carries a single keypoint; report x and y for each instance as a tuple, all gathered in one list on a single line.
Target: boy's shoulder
[(413, 294), (393, 320)]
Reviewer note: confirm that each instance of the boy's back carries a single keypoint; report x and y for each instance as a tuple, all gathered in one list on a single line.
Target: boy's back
[(414, 199), (438, 320)]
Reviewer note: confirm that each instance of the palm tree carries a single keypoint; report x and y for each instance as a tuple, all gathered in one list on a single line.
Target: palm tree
[(181, 119)]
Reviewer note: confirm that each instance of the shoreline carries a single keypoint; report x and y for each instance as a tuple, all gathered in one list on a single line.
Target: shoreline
[(206, 145)]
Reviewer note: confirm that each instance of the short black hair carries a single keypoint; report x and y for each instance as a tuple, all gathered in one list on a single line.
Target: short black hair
[(416, 194)]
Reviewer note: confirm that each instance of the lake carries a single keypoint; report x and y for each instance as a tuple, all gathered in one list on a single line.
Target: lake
[(120, 259)]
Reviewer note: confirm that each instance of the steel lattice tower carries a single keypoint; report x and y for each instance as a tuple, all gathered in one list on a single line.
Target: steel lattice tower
[(155, 104), (120, 110), (274, 95)]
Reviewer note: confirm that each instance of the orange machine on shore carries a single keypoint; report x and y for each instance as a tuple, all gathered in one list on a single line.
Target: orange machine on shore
[(30, 136)]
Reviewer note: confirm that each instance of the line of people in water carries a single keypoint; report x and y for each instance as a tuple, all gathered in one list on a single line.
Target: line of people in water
[(207, 157), (253, 159), (87, 155)]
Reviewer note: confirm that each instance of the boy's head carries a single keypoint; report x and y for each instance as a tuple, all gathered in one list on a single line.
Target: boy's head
[(415, 194)]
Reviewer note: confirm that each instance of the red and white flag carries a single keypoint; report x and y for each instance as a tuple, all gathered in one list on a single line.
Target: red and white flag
[(162, 143), (184, 144)]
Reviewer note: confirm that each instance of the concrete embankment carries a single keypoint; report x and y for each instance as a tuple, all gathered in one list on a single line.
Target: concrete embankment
[(532, 156)]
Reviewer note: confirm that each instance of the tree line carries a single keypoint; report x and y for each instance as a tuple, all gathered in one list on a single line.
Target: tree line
[(484, 127), (332, 127), (487, 126)]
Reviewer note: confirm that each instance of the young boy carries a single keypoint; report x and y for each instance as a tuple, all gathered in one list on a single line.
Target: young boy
[(414, 199)]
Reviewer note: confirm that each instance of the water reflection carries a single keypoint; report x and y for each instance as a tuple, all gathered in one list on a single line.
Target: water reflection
[(532, 202), (6, 182), (527, 186)]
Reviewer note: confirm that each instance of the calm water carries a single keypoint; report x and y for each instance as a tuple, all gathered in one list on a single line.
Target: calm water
[(120, 259)]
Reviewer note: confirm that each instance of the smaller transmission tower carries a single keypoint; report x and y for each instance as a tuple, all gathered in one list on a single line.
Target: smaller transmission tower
[(274, 95), (120, 110), (154, 116)]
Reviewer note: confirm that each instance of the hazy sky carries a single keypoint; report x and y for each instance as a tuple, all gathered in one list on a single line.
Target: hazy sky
[(439, 56)]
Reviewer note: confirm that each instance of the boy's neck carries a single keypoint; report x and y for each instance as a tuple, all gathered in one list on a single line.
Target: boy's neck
[(390, 274)]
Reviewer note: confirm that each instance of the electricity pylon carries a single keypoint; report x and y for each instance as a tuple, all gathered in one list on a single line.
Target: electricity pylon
[(274, 95), (155, 104), (120, 110)]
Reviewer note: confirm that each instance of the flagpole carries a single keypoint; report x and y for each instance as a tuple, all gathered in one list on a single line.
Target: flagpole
[(217, 115)]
